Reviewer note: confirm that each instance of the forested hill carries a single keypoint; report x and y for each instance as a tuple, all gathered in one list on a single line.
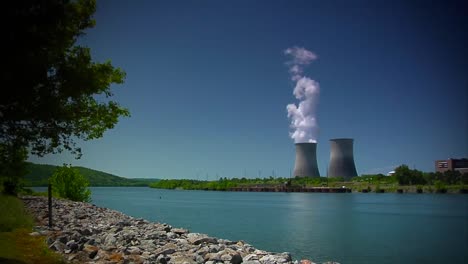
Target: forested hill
[(39, 173)]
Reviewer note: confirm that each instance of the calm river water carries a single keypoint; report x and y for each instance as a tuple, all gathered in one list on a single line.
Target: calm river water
[(348, 228)]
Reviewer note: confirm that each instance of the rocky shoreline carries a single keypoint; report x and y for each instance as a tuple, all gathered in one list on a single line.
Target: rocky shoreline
[(85, 233)]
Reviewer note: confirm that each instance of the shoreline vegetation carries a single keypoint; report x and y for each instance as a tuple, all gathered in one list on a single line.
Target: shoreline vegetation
[(404, 180), (256, 185)]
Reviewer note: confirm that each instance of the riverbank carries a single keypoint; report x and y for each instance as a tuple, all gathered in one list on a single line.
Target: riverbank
[(85, 233), (366, 184)]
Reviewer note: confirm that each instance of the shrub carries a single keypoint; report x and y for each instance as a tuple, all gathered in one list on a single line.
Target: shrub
[(419, 189), (440, 186), (67, 182)]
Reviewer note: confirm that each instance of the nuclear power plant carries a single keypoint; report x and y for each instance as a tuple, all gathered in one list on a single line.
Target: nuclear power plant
[(306, 160), (342, 158)]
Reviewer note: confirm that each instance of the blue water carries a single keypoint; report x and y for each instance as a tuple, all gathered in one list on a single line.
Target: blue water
[(348, 228)]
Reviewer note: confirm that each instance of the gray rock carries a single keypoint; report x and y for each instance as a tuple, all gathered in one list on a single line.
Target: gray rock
[(162, 259), (110, 240), (179, 231), (201, 240), (134, 250), (236, 259), (92, 254), (226, 257), (57, 246), (250, 257), (166, 250), (171, 235), (72, 245), (63, 239), (103, 236), (85, 232)]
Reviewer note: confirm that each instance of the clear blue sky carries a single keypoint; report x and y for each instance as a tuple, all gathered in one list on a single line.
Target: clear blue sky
[(207, 84)]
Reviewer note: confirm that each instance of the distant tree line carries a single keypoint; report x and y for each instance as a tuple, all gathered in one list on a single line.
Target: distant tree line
[(406, 176), (403, 176), (224, 184)]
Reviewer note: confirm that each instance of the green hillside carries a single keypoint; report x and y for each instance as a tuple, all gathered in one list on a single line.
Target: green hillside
[(39, 173)]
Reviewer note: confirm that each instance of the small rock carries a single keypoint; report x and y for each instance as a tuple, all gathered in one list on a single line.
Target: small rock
[(86, 232), (134, 250), (72, 245), (57, 246), (168, 249), (63, 239), (162, 259), (251, 257), (179, 231), (34, 234), (171, 235), (92, 254), (201, 240), (226, 257), (236, 259)]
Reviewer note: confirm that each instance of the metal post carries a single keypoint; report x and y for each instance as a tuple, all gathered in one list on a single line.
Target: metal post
[(50, 204)]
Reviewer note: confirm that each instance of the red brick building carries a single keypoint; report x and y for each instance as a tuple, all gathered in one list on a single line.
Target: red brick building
[(460, 165)]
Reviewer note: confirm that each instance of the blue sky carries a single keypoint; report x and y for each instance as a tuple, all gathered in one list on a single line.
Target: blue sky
[(207, 85)]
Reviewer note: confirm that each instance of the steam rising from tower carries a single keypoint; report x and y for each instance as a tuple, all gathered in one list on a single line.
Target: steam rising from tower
[(303, 116), (342, 158), (306, 160)]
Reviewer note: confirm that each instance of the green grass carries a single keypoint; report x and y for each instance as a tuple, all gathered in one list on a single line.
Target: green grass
[(16, 245), (20, 247), (13, 214)]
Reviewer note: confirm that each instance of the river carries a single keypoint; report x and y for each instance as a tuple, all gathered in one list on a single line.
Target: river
[(347, 228)]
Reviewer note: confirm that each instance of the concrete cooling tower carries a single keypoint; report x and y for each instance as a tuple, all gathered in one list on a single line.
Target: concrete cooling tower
[(342, 158), (306, 160)]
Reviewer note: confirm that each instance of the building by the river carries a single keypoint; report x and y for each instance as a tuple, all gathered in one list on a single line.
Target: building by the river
[(460, 165)]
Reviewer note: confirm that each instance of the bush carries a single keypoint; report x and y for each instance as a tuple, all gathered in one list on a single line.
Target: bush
[(419, 189), (67, 182), (440, 187)]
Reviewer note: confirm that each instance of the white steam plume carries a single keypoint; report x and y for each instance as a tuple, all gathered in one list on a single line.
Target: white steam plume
[(303, 121)]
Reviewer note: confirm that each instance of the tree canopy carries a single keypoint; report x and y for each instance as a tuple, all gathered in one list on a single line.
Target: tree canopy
[(68, 182), (50, 84)]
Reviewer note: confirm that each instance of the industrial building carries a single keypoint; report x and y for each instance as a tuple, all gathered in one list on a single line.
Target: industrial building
[(342, 158), (460, 165), (306, 160)]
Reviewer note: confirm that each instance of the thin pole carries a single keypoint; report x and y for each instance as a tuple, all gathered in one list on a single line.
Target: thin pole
[(49, 189)]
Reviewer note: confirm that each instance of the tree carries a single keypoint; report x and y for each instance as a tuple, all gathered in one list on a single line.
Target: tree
[(67, 182), (50, 84), (406, 176), (12, 167)]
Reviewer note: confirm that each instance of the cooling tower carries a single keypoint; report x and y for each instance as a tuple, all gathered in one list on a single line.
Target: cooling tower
[(342, 158), (306, 160)]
